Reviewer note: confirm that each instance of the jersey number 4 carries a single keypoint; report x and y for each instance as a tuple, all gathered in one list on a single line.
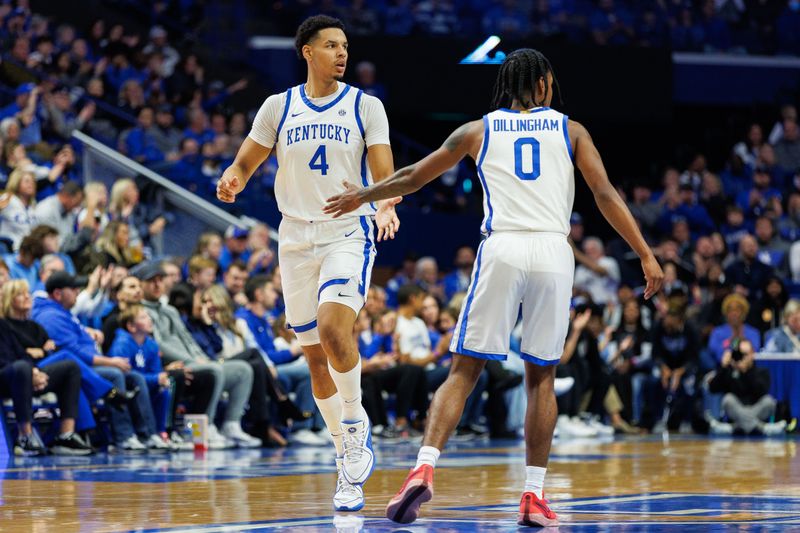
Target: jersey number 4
[(319, 161), (526, 158)]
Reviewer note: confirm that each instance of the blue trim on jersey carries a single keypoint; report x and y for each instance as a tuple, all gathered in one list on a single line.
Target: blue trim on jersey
[(305, 327), (566, 139), (358, 114), (538, 360), (362, 287), (320, 109), (527, 111), (488, 222), (481, 355), (331, 282), (463, 331), (285, 113)]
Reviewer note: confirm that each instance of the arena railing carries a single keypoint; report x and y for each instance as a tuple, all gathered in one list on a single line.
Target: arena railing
[(187, 214)]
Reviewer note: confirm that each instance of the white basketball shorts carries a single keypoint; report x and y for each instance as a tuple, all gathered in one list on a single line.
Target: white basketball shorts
[(322, 262), (527, 273)]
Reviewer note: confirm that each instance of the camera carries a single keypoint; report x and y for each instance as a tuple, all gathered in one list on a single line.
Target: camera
[(736, 351)]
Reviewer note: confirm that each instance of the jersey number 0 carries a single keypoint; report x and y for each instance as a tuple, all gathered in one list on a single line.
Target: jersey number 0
[(319, 161), (526, 160)]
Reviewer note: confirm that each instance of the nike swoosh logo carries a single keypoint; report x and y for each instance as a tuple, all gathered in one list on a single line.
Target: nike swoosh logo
[(297, 114), (348, 234), (344, 295)]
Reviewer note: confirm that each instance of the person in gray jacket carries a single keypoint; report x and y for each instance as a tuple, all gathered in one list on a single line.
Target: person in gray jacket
[(177, 344), (786, 338)]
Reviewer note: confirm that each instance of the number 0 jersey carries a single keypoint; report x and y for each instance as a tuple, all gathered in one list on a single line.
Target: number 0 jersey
[(525, 165), (319, 144)]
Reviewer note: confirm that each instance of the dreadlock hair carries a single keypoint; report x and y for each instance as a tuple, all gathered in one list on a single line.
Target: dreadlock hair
[(518, 76), (309, 29)]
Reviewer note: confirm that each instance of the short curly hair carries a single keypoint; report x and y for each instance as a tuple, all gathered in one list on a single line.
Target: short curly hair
[(309, 29)]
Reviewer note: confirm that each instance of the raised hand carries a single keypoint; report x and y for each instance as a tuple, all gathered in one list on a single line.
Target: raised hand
[(386, 219)]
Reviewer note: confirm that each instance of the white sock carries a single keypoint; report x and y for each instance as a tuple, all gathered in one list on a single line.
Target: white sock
[(349, 386), (428, 455), (331, 411), (534, 479)]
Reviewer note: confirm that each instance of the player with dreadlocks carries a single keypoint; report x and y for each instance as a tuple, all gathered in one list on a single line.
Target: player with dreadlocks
[(526, 153)]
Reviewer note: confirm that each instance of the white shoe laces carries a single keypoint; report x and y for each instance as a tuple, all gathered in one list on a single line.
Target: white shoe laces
[(353, 447), (344, 488)]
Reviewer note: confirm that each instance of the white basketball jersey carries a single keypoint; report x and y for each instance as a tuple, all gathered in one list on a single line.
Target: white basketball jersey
[(318, 147), (525, 165)]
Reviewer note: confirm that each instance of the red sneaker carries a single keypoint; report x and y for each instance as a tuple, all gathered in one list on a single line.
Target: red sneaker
[(417, 489), (535, 512)]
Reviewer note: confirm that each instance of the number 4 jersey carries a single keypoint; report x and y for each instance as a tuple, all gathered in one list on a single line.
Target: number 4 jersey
[(525, 165), (320, 142)]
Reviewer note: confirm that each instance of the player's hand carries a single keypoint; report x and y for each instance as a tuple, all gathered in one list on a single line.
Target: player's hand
[(386, 218), (653, 275), (343, 203), (228, 187)]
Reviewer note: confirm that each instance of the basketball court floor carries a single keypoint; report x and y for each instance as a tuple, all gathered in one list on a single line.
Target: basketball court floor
[(636, 484)]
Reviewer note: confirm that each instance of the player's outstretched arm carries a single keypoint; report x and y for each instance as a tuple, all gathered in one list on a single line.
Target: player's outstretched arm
[(588, 161), (248, 159), (464, 141)]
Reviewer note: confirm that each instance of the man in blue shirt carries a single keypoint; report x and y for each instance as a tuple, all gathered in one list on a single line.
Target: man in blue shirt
[(458, 280)]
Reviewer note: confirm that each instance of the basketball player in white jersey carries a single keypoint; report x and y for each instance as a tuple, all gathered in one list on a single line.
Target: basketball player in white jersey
[(325, 131), (525, 154)]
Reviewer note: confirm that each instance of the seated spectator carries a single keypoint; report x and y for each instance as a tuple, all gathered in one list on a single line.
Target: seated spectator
[(17, 210), (772, 248), (746, 401), (233, 280), (735, 227), (114, 247), (748, 275), (376, 300), (573, 365), (403, 277), (458, 280), (767, 313), (597, 274), (167, 137), (51, 177), (735, 308), (235, 247), (139, 143), (684, 204), (134, 342), (51, 311), (756, 200), (21, 380), (676, 345), (262, 258), (426, 275), (236, 377), (125, 207), (787, 149), (125, 295), (786, 338), (202, 272), (381, 372), (60, 210), (436, 17), (25, 263)]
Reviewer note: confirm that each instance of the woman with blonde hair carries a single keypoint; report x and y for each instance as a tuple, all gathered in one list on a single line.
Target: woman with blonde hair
[(125, 206), (114, 246), (786, 338), (17, 218)]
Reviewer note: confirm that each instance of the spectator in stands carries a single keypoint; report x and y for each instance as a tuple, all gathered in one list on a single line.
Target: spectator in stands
[(735, 308), (134, 342), (53, 313), (21, 380), (573, 365), (367, 82), (687, 34), (382, 372), (426, 275), (202, 272), (235, 247), (27, 109), (611, 24), (787, 149), (158, 44), (458, 280), (757, 199), (172, 274), (746, 400), (788, 112), (95, 209), (376, 300), (772, 248), (399, 18), (748, 149), (177, 344), (113, 247), (507, 18), (643, 208), (789, 226), (166, 136), (125, 295), (684, 204), (60, 209), (131, 96), (62, 119), (748, 275), (234, 279), (292, 368), (17, 214), (25, 263), (436, 17), (403, 277), (712, 197), (261, 256), (125, 206), (676, 345), (767, 313), (139, 143), (223, 337), (735, 227), (361, 18), (786, 337), (597, 274)]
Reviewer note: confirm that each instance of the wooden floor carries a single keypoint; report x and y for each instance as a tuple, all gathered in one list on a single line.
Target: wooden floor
[(646, 484)]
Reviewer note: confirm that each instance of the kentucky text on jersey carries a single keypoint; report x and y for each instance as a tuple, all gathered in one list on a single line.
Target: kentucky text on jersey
[(525, 124), (330, 132)]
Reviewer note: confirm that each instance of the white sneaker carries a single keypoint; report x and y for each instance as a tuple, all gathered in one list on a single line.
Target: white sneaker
[(359, 458), (217, 441), (133, 444), (179, 443), (563, 385), (155, 442), (234, 432), (595, 424), (568, 427), (773, 429), (348, 497), (308, 437)]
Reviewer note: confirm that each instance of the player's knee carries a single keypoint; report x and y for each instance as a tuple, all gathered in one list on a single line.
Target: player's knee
[(537, 376), (334, 339), (467, 368)]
